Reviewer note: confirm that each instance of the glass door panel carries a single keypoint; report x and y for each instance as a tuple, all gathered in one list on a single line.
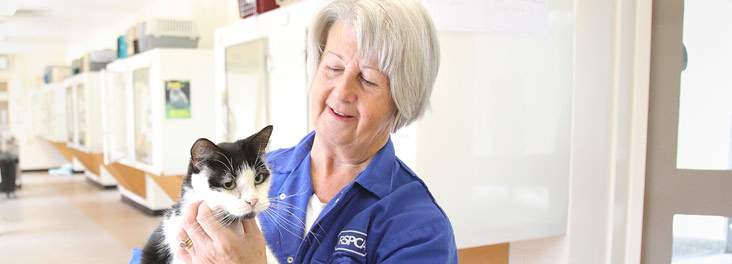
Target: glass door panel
[(81, 113), (246, 88), (70, 114), (143, 115), (116, 116)]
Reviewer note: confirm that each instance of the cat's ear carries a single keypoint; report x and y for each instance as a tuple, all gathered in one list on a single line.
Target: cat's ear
[(201, 151), (257, 143)]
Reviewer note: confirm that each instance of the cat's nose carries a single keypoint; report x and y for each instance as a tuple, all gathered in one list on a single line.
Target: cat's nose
[(252, 201)]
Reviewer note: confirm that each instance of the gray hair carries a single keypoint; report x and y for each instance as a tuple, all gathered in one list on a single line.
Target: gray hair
[(399, 35)]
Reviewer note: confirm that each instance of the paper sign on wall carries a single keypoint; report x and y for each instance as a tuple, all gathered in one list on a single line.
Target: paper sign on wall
[(514, 17), (178, 99)]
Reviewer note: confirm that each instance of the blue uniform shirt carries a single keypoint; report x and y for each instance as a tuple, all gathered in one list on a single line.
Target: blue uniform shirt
[(386, 215)]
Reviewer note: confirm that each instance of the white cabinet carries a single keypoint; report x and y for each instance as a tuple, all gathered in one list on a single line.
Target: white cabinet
[(85, 90), (41, 99), (158, 137), (71, 122), (157, 104), (261, 77), (114, 115), (56, 95), (84, 124)]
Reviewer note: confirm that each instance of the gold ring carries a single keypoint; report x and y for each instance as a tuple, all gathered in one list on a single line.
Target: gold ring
[(186, 244)]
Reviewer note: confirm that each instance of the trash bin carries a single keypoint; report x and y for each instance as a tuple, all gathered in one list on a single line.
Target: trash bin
[(8, 171)]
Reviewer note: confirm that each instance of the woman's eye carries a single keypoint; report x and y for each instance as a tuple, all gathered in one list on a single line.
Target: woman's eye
[(258, 179), (229, 185), (367, 82), (333, 69)]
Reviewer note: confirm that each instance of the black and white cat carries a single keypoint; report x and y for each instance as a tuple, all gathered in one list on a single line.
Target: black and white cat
[(231, 178)]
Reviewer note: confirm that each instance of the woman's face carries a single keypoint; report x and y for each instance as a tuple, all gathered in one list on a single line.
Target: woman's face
[(351, 99)]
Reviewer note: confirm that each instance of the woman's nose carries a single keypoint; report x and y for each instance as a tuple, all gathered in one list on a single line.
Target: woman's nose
[(345, 90)]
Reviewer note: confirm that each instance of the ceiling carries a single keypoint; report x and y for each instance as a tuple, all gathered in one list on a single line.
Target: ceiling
[(56, 25)]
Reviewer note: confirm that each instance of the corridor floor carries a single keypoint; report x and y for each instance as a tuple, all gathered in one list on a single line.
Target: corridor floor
[(65, 219)]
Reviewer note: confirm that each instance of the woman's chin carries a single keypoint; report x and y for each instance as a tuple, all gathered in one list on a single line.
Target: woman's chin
[(335, 136), (335, 131)]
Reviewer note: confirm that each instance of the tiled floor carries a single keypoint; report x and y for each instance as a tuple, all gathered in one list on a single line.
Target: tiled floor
[(64, 219)]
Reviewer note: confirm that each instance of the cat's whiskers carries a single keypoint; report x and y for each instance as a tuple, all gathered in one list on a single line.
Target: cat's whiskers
[(300, 226), (278, 202), (213, 219), (264, 213), (303, 224), (285, 205), (226, 166), (283, 218), (281, 202), (275, 217), (229, 160), (258, 161), (315, 235)]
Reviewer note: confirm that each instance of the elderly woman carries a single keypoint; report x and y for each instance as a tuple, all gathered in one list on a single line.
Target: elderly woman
[(341, 195)]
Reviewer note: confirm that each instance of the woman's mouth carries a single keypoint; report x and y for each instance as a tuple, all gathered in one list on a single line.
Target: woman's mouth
[(339, 114)]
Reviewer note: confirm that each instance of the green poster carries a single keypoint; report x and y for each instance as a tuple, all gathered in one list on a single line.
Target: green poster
[(178, 99)]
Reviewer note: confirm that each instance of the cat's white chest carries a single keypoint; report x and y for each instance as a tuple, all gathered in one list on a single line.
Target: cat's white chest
[(172, 227)]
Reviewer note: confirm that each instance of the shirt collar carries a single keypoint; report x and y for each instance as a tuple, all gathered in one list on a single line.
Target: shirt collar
[(302, 149), (377, 178)]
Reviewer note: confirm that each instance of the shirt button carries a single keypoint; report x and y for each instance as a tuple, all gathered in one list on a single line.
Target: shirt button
[(290, 260), (337, 200), (282, 196)]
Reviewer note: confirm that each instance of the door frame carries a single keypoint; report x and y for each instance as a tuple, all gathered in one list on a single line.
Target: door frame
[(669, 190)]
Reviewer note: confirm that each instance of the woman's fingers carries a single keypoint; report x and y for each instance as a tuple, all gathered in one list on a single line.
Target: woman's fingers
[(184, 256), (181, 238), (215, 243), (253, 235), (213, 228), (251, 228), (192, 225)]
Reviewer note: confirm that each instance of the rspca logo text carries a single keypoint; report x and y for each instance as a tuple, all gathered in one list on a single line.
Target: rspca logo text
[(352, 241)]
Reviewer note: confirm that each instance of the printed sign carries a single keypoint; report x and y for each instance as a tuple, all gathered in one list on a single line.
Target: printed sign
[(178, 99)]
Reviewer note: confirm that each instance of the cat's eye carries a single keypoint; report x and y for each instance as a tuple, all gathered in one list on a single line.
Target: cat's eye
[(258, 179), (229, 185)]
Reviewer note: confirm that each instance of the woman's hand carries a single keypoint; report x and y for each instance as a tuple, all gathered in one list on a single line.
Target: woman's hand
[(215, 243)]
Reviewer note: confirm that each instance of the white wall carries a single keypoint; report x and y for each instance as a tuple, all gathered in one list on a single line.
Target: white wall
[(494, 149), (25, 74), (612, 57), (208, 15)]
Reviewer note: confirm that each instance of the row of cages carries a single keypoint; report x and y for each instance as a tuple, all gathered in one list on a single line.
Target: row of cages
[(146, 111)]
